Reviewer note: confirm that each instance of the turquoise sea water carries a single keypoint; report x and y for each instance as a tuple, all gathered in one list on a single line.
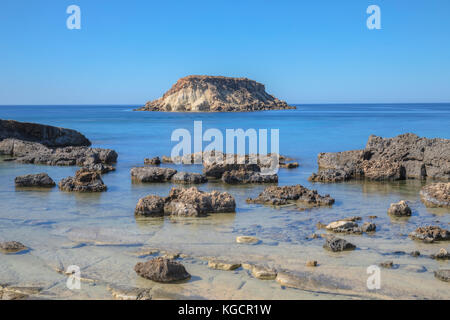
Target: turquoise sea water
[(65, 228)]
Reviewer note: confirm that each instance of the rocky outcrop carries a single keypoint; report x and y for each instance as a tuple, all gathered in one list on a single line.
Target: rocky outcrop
[(430, 234), (9, 247), (47, 135), (283, 195), (403, 157), (186, 202), (34, 180), (100, 168), (189, 178), (37, 153), (83, 181), (336, 244), (162, 270), (152, 174), (215, 94), (152, 161), (436, 195), (400, 209), (245, 177)]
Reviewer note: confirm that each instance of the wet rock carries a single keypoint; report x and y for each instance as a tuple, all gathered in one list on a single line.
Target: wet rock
[(152, 174), (162, 270), (369, 227), (217, 169), (282, 195), (99, 168), (441, 255), (443, 275), (264, 273), (330, 175), (129, 293), (241, 177), (415, 253), (247, 239), (400, 209), (152, 161), (387, 264), (311, 263), (83, 181), (402, 157), (430, 234), (289, 165), (247, 266), (223, 265), (341, 226), (150, 206), (9, 247), (193, 202), (34, 180), (436, 195), (336, 244), (189, 178)]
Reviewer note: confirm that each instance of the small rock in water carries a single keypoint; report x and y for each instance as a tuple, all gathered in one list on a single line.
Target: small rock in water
[(247, 266), (247, 239), (34, 180), (152, 161), (373, 217), (150, 206), (387, 264), (415, 253), (336, 244), (84, 181), (369, 227), (12, 247), (189, 178), (264, 273), (400, 209), (443, 274), (162, 270), (311, 263), (289, 165), (222, 265), (152, 174), (441, 255), (320, 225), (129, 293)]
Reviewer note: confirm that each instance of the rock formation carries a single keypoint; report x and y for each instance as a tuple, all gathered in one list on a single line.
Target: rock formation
[(400, 209), (162, 270), (12, 247), (430, 234), (403, 157), (337, 244), (436, 195), (152, 174), (34, 180), (215, 94), (84, 181)]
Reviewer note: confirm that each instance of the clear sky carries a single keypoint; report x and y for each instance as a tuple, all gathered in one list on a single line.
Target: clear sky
[(129, 52)]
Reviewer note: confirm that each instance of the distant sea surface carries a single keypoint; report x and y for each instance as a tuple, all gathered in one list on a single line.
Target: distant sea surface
[(48, 220)]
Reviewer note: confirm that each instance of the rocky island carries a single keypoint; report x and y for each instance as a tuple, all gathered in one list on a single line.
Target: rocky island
[(215, 94)]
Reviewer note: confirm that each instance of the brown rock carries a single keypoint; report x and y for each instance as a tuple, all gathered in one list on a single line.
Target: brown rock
[(150, 206), (162, 270), (12, 247), (400, 209), (152, 161), (34, 180), (84, 181), (436, 195), (223, 265), (430, 234), (152, 174)]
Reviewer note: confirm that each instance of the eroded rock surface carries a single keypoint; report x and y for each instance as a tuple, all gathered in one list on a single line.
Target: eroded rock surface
[(152, 161), (10, 247), (223, 265), (152, 174), (215, 94), (150, 206), (430, 234), (400, 209), (282, 195), (402, 157), (436, 195), (34, 180), (162, 270), (337, 244), (83, 181), (189, 178)]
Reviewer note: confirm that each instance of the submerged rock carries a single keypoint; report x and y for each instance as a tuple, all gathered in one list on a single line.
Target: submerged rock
[(337, 244), (311, 263), (162, 270), (369, 227), (387, 264), (402, 157), (150, 206), (189, 178), (129, 293), (241, 177), (215, 94), (12, 247), (152, 174), (441, 255), (84, 181), (436, 195), (443, 275), (264, 273), (282, 195), (400, 209), (152, 161), (247, 239), (430, 234), (34, 180), (223, 265)]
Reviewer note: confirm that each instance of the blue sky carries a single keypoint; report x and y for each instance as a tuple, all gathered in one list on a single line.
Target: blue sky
[(129, 52)]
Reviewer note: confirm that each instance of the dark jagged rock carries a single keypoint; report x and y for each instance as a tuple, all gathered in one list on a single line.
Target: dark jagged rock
[(150, 206), (242, 176), (189, 178), (330, 175), (152, 174), (430, 234), (369, 227), (400, 209), (402, 157), (47, 135), (162, 270), (152, 161), (215, 94), (337, 244), (12, 247), (83, 181), (34, 180), (282, 195), (436, 195)]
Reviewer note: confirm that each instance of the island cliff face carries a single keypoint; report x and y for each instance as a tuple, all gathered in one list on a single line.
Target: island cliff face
[(215, 94)]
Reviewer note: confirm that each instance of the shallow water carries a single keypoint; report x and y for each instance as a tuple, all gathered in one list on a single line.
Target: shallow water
[(99, 232)]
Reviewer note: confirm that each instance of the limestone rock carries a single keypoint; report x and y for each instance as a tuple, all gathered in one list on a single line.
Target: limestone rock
[(152, 161), (241, 177), (336, 244), (215, 94), (443, 275), (430, 234), (223, 265), (189, 178), (264, 273), (436, 195), (34, 180), (441, 255), (247, 239), (150, 206), (99, 168), (311, 263), (129, 293), (152, 174), (400, 209), (282, 195), (162, 270), (83, 181), (12, 247)]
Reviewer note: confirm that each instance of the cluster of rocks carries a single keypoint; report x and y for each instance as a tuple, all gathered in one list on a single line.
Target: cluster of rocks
[(186, 202), (275, 195), (436, 195), (430, 234), (83, 181), (403, 157), (215, 94), (156, 174)]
